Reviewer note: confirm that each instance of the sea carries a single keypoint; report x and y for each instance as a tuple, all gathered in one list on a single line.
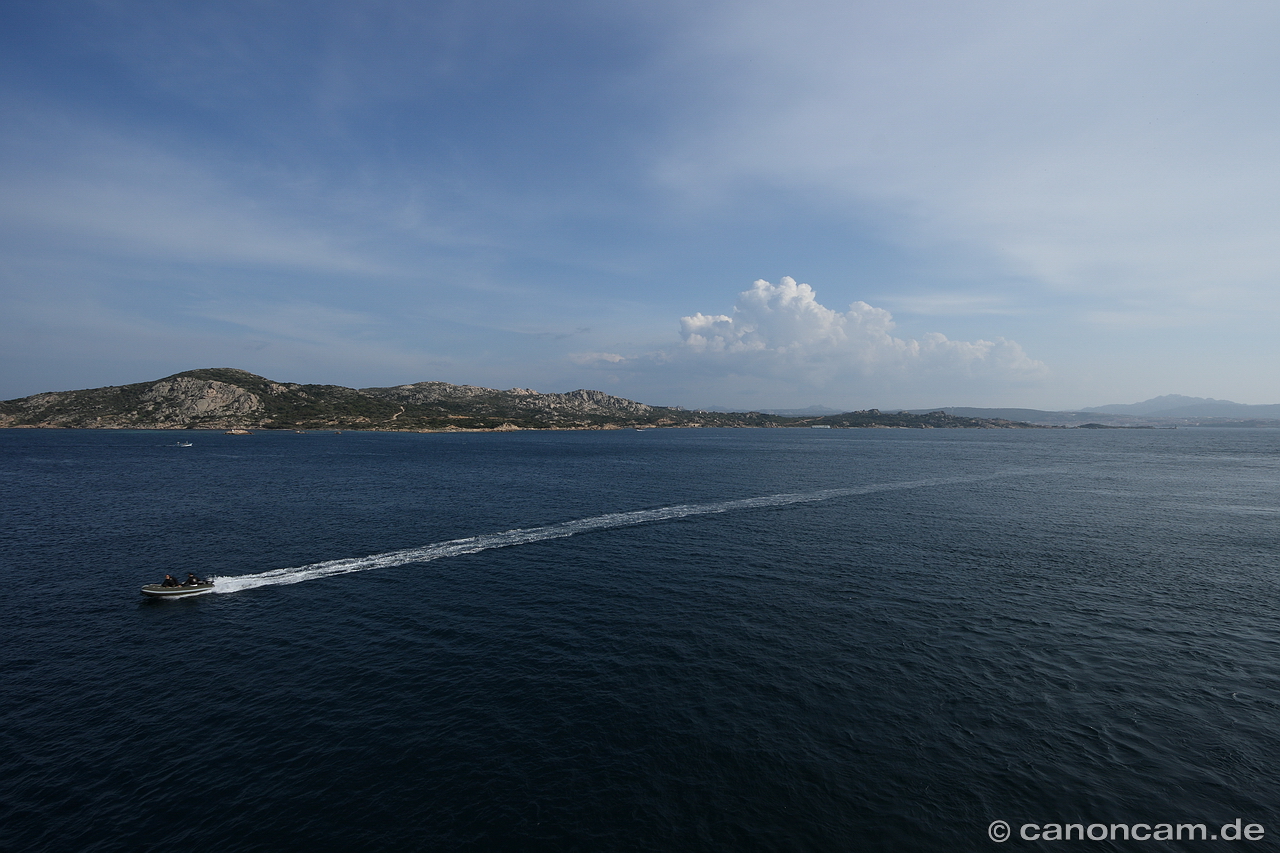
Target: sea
[(658, 640)]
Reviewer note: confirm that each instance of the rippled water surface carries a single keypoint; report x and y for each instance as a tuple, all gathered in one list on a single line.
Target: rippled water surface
[(660, 640)]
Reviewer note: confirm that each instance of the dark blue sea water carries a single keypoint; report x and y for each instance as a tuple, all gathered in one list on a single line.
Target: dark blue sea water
[(684, 640)]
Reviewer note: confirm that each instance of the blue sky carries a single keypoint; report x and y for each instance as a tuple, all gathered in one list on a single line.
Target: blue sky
[(743, 205)]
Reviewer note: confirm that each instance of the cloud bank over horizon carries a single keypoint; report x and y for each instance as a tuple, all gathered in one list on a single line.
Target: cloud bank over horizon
[(782, 342), (782, 330)]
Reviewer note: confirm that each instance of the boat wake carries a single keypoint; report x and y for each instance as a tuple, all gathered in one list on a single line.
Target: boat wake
[(526, 535)]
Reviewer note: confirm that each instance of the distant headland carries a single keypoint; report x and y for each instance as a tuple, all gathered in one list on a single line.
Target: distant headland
[(226, 398)]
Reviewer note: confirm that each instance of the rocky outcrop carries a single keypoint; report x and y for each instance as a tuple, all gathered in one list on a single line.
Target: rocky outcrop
[(592, 402), (184, 399), (581, 401), (422, 393), (39, 402), (174, 402)]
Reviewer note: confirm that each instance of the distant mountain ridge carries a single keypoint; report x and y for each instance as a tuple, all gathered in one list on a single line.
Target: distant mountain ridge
[(227, 398), (1178, 406), (1155, 404), (1168, 410)]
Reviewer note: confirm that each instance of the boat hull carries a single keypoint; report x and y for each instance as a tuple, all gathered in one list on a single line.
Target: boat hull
[(155, 590)]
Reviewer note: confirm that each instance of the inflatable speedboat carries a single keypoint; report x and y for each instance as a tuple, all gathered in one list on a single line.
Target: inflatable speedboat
[(159, 590)]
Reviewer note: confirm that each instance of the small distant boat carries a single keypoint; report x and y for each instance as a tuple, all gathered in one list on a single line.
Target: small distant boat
[(183, 444), (158, 590)]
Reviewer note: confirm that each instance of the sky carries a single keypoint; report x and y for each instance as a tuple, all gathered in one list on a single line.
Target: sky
[(738, 205)]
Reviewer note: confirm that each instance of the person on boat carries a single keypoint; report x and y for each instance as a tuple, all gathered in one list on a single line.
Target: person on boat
[(170, 580), (192, 580)]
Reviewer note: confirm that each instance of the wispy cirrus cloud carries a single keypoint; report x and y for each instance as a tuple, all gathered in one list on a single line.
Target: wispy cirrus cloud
[(105, 193), (1088, 149)]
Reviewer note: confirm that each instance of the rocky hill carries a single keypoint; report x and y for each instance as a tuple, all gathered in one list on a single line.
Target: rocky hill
[(225, 398)]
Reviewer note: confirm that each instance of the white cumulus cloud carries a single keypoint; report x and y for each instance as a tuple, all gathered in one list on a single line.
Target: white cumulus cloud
[(781, 329)]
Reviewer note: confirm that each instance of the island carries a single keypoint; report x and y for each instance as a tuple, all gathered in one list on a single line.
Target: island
[(236, 400)]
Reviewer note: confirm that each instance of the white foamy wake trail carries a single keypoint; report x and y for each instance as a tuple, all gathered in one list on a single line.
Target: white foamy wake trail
[(525, 535)]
